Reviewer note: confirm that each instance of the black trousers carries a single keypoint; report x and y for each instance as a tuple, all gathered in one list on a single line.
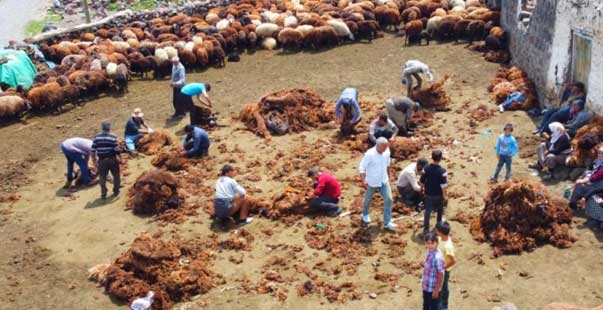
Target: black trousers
[(324, 204), (182, 103), (106, 165)]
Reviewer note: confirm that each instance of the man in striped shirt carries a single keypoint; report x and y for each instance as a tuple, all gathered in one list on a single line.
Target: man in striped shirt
[(107, 150)]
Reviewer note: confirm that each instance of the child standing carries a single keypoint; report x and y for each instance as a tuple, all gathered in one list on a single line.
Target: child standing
[(447, 249), (433, 273), (506, 148)]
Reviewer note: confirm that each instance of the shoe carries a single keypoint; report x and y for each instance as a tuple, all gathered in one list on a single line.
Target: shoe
[(246, 221), (534, 166), (493, 180), (391, 226), (501, 108), (366, 219), (336, 213), (103, 197), (547, 177), (537, 131), (115, 194), (67, 184)]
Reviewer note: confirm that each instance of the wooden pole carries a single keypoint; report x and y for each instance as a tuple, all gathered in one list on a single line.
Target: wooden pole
[(86, 10)]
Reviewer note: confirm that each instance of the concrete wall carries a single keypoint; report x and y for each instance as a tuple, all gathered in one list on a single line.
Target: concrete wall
[(543, 47)]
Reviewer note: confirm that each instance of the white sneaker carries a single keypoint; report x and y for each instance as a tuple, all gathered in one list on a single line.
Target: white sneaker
[(390, 226), (501, 108), (366, 219)]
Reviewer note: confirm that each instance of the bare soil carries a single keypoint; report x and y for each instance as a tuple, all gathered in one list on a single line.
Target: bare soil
[(50, 240)]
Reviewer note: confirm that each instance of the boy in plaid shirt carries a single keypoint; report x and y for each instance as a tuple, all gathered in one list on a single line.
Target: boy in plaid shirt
[(433, 273)]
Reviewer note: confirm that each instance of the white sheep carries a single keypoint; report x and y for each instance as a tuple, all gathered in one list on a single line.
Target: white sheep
[(111, 69), (305, 29), (270, 17), (223, 24), (128, 34), (212, 18), (256, 22), (133, 42), (171, 52), (121, 44), (161, 54), (269, 43), (341, 28), (189, 46), (197, 40), (266, 30), (290, 21), (180, 44), (457, 3), (96, 65), (433, 24), (473, 3)]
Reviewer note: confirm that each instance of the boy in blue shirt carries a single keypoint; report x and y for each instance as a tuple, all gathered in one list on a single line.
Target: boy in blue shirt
[(506, 148)]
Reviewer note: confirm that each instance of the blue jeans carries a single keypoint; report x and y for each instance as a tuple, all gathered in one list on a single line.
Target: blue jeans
[(445, 292), (432, 203), (546, 118), (503, 160), (131, 141), (386, 193), (81, 160), (560, 115)]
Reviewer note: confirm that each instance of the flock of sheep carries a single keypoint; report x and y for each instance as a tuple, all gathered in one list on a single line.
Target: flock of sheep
[(104, 59)]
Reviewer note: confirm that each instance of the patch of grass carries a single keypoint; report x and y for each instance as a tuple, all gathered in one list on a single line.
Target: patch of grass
[(113, 6), (34, 27), (141, 5)]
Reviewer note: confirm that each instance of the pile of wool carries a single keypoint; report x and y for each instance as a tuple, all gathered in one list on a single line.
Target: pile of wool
[(508, 81), (288, 111), (434, 96), (289, 202), (586, 142), (152, 143), (480, 113), (174, 270), (519, 216), (403, 148), (500, 57), (154, 192), (171, 160), (237, 240)]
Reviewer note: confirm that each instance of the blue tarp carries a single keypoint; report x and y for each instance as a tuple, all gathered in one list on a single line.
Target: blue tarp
[(18, 70)]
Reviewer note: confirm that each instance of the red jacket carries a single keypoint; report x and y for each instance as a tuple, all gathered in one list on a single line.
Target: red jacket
[(327, 185)]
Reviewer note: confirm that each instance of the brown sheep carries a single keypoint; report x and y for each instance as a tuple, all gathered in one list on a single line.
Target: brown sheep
[(12, 106), (202, 57), (413, 31), (122, 76), (320, 37), (316, 22), (187, 58), (460, 29), (411, 14), (164, 37), (387, 17), (290, 38), (367, 29), (252, 40), (218, 56), (87, 36), (46, 97), (475, 30)]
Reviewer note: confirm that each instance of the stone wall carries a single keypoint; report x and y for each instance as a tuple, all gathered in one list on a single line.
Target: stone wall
[(543, 45)]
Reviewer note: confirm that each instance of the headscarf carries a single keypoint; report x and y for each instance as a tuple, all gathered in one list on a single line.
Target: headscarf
[(599, 162), (557, 131)]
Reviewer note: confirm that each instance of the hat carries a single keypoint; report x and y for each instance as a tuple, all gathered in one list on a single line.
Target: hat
[(137, 113)]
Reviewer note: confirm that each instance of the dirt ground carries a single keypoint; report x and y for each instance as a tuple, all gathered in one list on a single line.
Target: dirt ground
[(49, 240)]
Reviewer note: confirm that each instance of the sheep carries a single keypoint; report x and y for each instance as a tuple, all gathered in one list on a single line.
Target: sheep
[(290, 38), (265, 30), (161, 54), (387, 17), (218, 56), (341, 28), (313, 21), (202, 56), (472, 3), (475, 30), (111, 69), (164, 37), (433, 25), (305, 29), (128, 34), (413, 30), (222, 24), (446, 27), (439, 12), (197, 40), (290, 21), (367, 29), (496, 40), (269, 43), (456, 4), (460, 29), (121, 78), (46, 97), (72, 59), (187, 58), (252, 39), (212, 18), (171, 52), (12, 106), (96, 65), (320, 37), (90, 82), (87, 36)]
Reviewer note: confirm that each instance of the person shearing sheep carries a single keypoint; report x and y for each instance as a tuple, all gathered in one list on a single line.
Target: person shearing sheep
[(413, 68), (347, 110)]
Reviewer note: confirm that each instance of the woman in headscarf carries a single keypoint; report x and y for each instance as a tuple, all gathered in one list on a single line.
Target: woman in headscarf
[(553, 152), (590, 184)]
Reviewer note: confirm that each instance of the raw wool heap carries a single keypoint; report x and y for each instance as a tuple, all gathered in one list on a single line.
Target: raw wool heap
[(519, 216), (434, 96), (500, 57), (175, 270), (287, 111), (152, 143), (586, 142), (154, 192), (400, 148), (480, 113), (510, 80), (171, 160)]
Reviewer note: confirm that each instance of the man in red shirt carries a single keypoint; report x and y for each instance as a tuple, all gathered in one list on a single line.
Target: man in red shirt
[(326, 192)]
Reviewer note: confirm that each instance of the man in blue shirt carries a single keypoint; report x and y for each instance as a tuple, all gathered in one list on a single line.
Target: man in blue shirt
[(434, 182), (350, 116), (107, 150), (135, 128), (196, 143), (179, 100), (200, 111)]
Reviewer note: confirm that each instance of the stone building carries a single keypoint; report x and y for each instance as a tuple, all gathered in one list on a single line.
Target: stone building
[(557, 41)]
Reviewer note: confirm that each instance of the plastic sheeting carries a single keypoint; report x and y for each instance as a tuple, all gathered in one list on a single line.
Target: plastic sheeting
[(18, 70)]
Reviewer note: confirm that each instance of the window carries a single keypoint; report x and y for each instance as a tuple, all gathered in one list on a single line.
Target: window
[(525, 11)]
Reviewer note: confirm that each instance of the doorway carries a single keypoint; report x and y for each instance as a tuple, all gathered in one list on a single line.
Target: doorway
[(581, 57)]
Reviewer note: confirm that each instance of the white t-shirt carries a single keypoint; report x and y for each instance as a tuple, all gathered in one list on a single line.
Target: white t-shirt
[(374, 166), (227, 187)]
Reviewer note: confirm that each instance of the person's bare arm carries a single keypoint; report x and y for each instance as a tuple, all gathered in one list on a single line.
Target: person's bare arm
[(436, 291)]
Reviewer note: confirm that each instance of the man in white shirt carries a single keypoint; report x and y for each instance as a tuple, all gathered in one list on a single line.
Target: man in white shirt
[(412, 68), (408, 183), (382, 127), (373, 170)]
